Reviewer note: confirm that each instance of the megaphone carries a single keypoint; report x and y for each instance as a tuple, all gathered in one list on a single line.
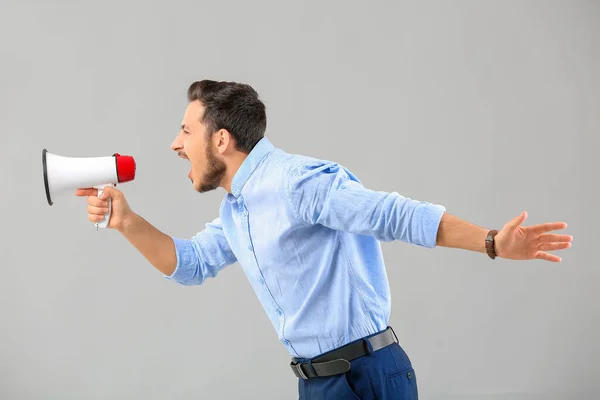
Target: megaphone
[(69, 173)]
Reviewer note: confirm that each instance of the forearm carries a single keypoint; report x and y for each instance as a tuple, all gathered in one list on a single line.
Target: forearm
[(456, 233), (157, 247)]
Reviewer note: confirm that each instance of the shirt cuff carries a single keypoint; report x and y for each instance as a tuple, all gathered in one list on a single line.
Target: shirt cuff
[(430, 216), (186, 261)]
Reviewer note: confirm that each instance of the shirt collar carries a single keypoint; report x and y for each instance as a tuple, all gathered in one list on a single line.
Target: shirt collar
[(260, 150)]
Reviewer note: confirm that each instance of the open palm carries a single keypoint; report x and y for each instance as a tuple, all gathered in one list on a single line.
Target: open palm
[(517, 242)]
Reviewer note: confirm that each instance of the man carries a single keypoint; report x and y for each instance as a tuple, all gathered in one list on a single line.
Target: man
[(307, 234)]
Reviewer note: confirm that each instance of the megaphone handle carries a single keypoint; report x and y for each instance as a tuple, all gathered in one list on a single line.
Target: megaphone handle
[(104, 222)]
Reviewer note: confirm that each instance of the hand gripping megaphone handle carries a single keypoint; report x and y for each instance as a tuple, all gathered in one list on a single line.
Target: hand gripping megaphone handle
[(104, 222)]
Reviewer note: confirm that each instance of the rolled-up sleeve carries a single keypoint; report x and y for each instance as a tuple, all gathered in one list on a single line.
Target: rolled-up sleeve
[(323, 192), (202, 256)]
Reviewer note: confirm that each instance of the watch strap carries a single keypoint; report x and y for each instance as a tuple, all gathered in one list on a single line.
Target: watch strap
[(490, 243)]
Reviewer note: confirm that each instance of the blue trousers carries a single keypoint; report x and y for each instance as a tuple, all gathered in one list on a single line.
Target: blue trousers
[(382, 375)]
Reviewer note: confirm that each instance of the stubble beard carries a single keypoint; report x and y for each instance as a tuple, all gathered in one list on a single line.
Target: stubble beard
[(213, 176)]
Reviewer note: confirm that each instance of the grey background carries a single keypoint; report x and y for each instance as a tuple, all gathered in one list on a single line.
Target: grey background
[(489, 108)]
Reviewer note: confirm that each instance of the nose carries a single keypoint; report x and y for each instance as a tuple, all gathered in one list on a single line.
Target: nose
[(177, 144)]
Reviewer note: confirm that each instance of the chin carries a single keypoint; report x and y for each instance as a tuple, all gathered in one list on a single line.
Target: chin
[(197, 185)]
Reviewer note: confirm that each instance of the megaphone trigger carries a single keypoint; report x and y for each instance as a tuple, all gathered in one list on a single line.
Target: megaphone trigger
[(106, 220)]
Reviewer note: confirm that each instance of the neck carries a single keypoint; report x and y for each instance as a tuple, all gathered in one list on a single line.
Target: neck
[(233, 164)]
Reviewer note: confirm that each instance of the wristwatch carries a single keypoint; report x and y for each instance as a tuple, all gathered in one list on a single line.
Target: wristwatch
[(490, 244)]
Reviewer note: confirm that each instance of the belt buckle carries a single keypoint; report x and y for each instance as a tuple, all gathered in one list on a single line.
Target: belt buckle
[(297, 368)]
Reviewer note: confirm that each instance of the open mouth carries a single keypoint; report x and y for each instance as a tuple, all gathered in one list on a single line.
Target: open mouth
[(185, 157)]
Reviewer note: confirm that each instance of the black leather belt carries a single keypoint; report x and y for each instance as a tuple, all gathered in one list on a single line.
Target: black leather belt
[(338, 361)]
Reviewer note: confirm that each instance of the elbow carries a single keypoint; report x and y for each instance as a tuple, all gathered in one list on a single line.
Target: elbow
[(423, 228), (187, 275), (188, 268)]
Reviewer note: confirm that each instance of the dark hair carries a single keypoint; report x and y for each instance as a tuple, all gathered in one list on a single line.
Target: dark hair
[(232, 106)]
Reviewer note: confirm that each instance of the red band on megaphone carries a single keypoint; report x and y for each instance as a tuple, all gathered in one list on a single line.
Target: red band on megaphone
[(125, 168)]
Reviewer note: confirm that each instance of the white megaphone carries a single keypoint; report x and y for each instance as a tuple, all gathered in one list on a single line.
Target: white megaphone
[(70, 173)]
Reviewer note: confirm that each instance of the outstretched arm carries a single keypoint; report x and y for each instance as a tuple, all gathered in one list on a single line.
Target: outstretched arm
[(324, 192), (514, 241)]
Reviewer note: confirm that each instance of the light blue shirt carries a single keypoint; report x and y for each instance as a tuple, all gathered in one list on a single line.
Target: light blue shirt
[(307, 235)]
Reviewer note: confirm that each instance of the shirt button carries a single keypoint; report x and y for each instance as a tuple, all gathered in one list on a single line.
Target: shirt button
[(279, 312), (245, 213), (250, 247), (261, 281)]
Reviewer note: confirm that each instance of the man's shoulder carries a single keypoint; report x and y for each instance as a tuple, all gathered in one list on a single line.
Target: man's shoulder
[(293, 164)]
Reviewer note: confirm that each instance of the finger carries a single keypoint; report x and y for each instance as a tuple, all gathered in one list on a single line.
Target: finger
[(542, 255), (97, 202), (97, 210), (549, 226), (550, 238), (554, 246), (86, 192), (518, 220), (95, 218)]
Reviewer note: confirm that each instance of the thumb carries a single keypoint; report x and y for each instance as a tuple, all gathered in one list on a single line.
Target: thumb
[(518, 220), (110, 191)]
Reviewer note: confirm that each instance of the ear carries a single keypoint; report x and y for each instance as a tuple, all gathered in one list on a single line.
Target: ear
[(223, 141)]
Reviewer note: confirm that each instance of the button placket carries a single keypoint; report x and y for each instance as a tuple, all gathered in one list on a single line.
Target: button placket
[(246, 225), (245, 221)]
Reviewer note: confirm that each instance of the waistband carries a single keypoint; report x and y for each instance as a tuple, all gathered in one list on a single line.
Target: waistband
[(337, 361)]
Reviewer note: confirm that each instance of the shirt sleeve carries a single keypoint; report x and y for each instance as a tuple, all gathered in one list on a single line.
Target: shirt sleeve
[(202, 256), (323, 192)]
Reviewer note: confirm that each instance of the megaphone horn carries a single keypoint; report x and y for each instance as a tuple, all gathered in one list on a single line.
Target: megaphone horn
[(69, 173)]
